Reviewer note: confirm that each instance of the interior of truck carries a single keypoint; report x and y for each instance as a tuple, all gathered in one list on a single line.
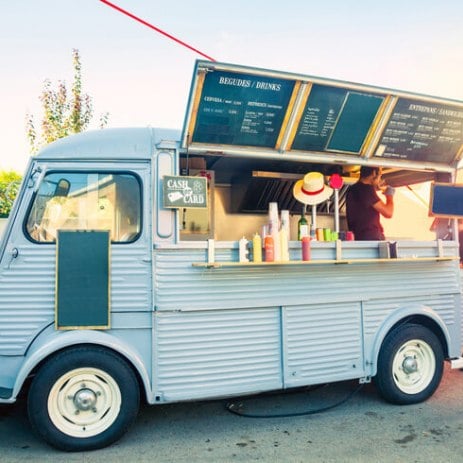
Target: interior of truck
[(244, 188)]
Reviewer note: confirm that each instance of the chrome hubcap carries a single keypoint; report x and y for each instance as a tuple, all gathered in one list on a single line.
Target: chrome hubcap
[(84, 400), (410, 365)]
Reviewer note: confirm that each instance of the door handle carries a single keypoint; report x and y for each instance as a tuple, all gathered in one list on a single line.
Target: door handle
[(14, 253)]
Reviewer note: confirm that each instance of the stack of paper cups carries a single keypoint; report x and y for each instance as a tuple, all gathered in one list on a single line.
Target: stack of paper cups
[(284, 236), (275, 228), (275, 233), (273, 212), (285, 222), (284, 246)]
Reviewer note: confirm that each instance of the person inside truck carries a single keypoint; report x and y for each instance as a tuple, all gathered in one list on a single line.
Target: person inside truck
[(364, 207)]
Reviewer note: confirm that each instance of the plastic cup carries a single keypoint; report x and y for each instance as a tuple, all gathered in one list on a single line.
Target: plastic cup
[(327, 234)]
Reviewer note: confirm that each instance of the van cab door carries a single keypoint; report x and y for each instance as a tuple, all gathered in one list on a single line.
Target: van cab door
[(78, 197)]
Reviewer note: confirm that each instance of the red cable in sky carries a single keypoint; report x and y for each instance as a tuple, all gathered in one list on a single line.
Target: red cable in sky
[(130, 15)]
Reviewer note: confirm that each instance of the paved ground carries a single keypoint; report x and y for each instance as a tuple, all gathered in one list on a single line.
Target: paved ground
[(364, 429)]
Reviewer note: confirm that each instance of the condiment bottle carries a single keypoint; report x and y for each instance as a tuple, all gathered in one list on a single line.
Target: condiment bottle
[(243, 250), (302, 226), (306, 248), (257, 248), (269, 249)]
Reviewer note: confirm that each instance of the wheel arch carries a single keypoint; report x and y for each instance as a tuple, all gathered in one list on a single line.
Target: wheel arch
[(415, 314), (52, 342)]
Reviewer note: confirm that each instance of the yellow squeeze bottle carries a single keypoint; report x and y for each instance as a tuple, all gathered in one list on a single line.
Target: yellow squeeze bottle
[(257, 248)]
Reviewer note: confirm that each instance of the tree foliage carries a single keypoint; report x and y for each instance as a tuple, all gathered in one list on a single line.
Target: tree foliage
[(65, 112), (9, 184)]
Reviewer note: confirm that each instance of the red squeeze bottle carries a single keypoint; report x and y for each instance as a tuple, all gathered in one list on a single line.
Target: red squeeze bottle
[(269, 249), (306, 248)]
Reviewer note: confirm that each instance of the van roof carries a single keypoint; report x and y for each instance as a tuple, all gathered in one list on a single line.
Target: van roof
[(108, 144)]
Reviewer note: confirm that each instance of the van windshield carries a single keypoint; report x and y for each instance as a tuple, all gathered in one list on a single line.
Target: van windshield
[(86, 201)]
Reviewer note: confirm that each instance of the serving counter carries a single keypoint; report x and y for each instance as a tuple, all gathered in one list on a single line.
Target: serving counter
[(339, 252)]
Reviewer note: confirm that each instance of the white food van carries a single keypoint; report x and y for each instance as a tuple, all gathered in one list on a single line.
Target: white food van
[(123, 273)]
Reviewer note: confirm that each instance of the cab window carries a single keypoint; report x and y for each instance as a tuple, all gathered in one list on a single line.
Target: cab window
[(86, 201)]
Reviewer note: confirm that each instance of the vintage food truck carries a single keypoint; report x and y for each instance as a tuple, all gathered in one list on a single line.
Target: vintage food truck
[(124, 273)]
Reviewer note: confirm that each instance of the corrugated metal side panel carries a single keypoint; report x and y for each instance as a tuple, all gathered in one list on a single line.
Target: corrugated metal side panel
[(322, 342), (447, 306), (205, 354), (27, 302), (130, 278), (375, 312), (27, 297), (179, 285)]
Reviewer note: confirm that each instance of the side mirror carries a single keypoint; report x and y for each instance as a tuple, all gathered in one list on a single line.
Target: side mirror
[(62, 188)]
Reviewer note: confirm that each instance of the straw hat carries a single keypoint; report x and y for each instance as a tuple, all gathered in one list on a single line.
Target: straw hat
[(312, 189)]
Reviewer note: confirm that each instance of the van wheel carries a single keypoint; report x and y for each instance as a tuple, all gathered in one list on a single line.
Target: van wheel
[(83, 399), (410, 365)]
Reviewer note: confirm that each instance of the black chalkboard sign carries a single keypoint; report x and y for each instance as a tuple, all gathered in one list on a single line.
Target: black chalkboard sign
[(354, 122), (249, 108), (319, 118), (336, 119), (446, 200), (82, 280), (421, 131), (241, 109)]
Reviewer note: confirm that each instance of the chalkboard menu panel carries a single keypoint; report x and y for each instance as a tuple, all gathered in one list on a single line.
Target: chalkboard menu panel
[(421, 131), (335, 119), (319, 118), (241, 109), (354, 122), (446, 200)]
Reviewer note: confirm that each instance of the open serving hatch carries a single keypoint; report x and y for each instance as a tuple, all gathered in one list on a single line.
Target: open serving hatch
[(245, 120)]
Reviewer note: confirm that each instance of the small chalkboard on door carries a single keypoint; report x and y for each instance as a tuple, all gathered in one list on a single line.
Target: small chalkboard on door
[(82, 280)]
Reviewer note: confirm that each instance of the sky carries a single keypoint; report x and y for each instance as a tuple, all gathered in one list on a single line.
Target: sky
[(142, 78)]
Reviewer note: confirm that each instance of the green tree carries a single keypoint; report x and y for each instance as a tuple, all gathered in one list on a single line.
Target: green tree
[(9, 184), (64, 112)]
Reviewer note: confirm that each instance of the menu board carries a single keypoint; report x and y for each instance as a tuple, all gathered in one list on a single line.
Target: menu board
[(241, 109), (354, 122), (446, 200), (319, 118), (421, 131), (336, 119), (248, 108)]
